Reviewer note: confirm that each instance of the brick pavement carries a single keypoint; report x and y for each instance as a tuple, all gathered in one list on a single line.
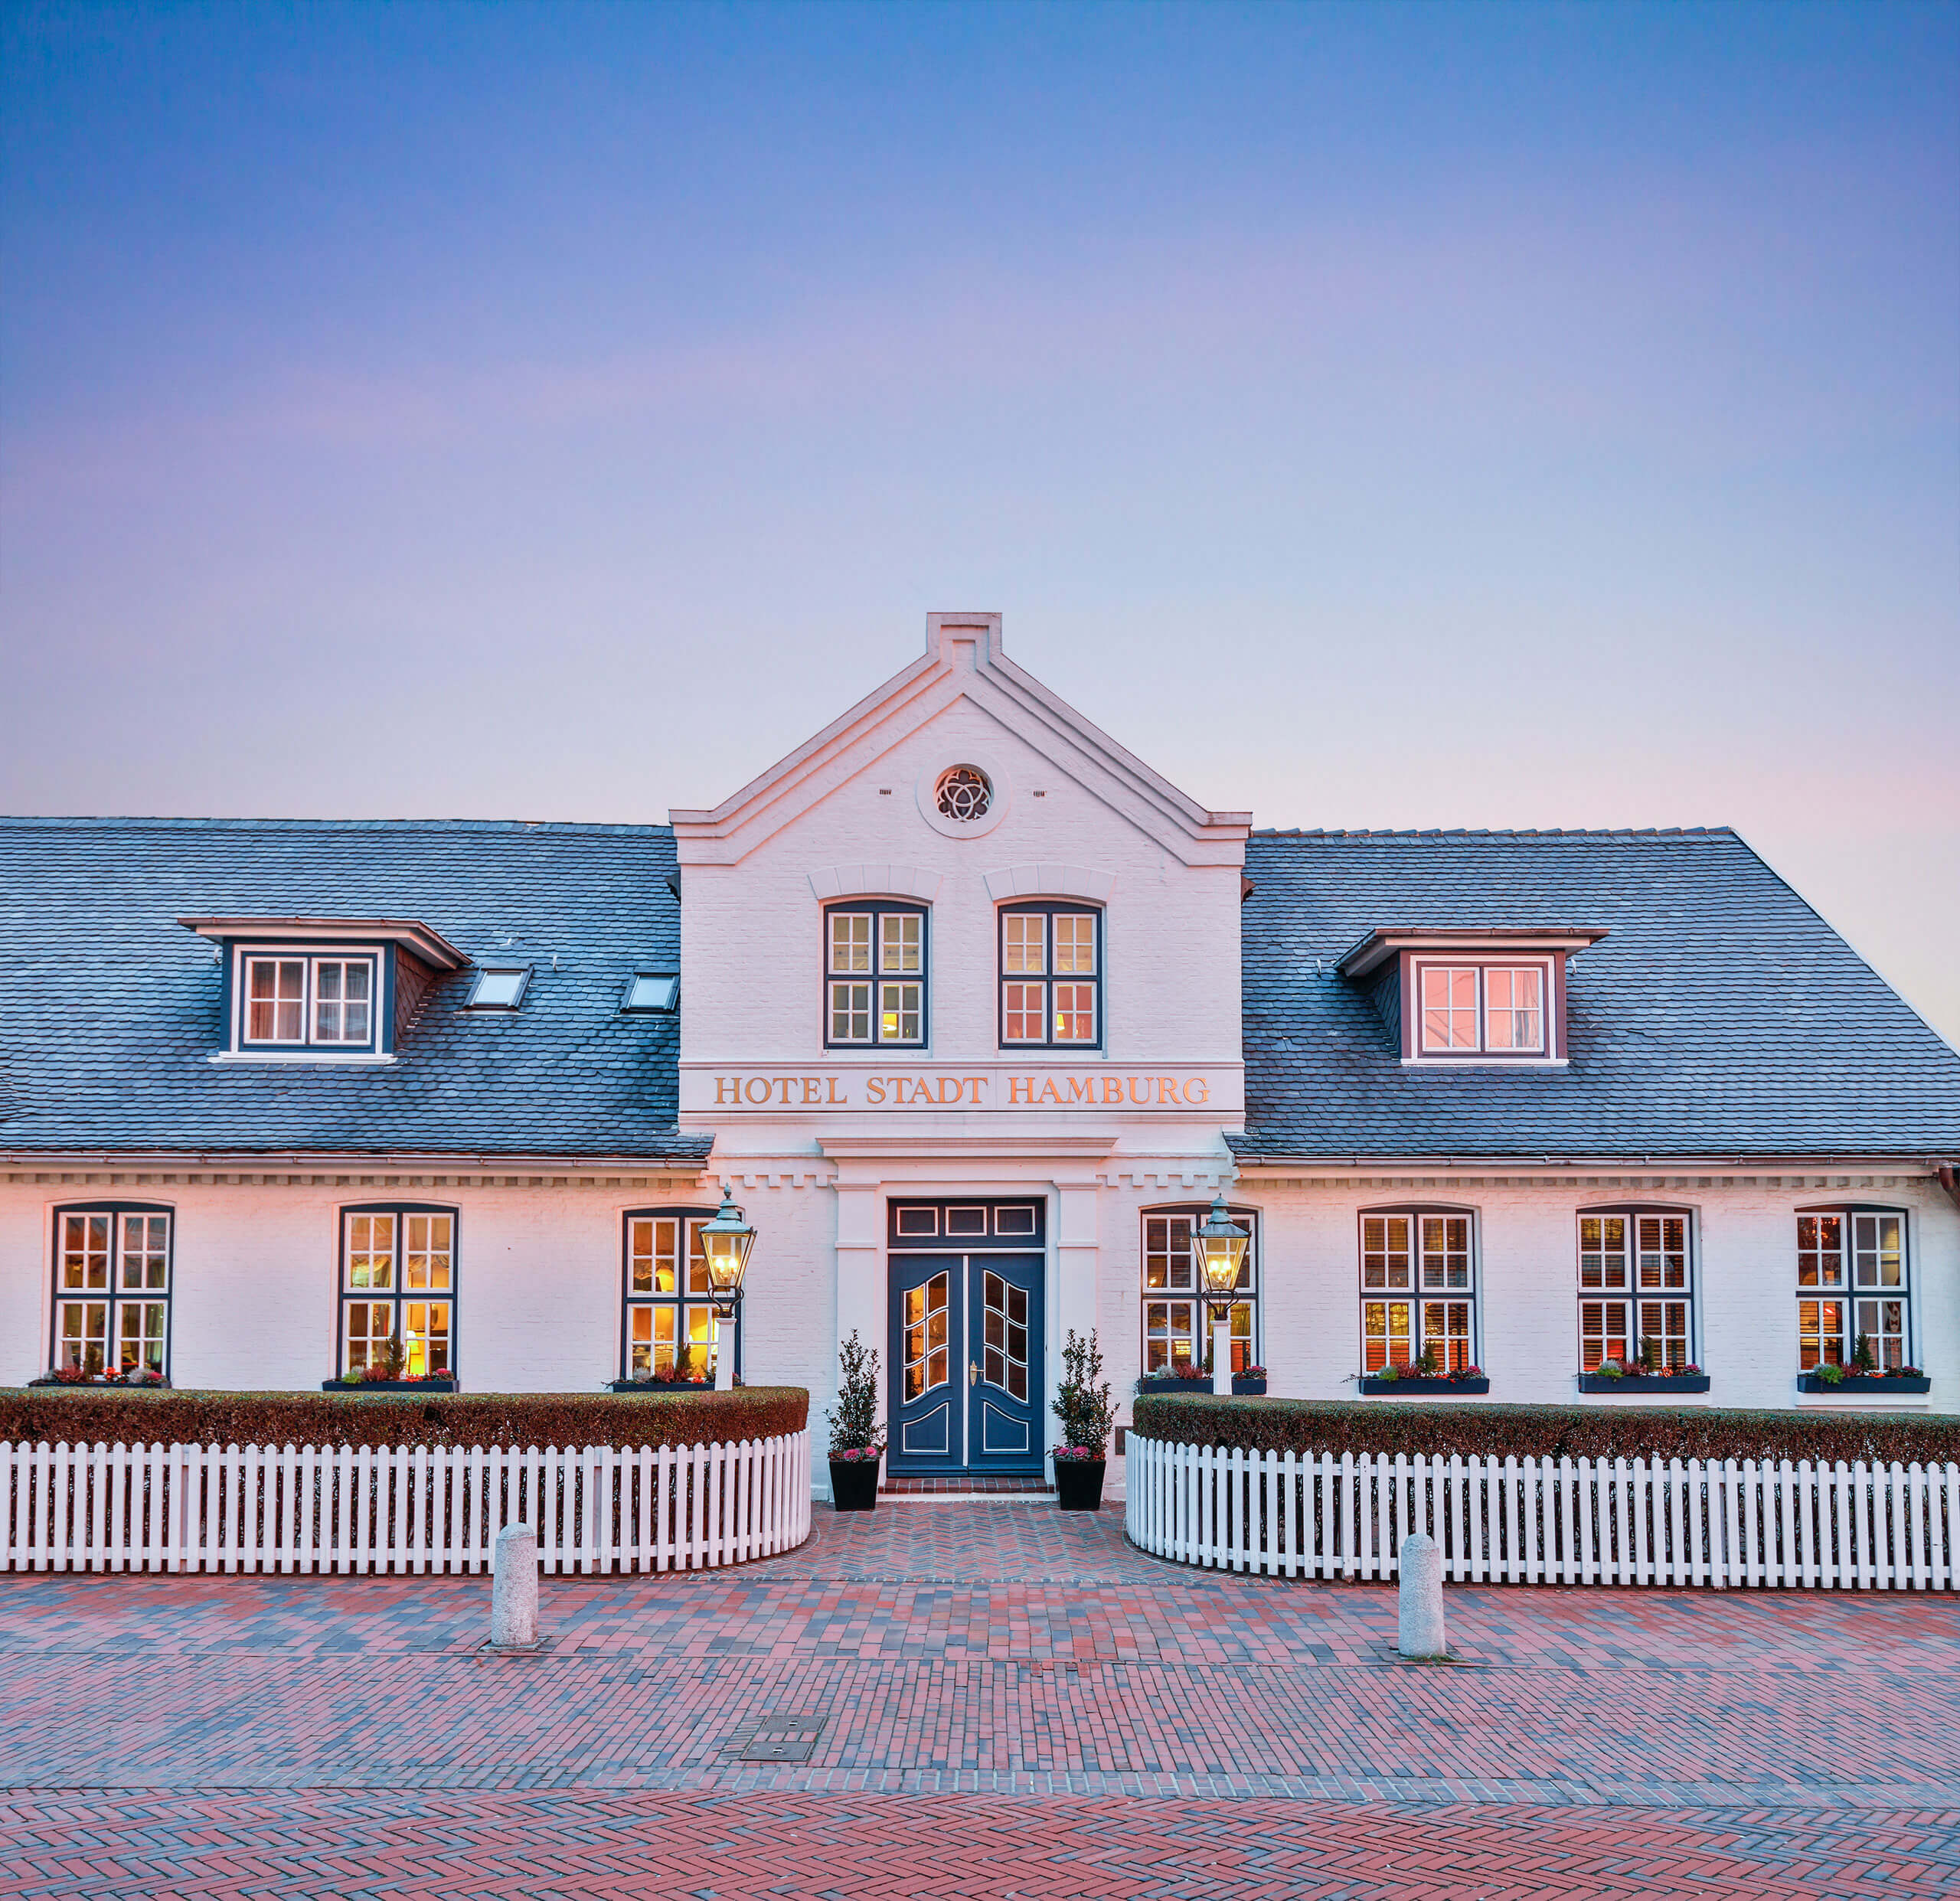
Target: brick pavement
[(1010, 1695)]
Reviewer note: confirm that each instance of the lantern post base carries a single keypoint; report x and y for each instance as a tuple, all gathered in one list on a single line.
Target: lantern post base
[(1221, 1354), (724, 1353)]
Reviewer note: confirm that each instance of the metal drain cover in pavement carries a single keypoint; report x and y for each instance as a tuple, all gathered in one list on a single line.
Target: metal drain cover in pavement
[(786, 1736)]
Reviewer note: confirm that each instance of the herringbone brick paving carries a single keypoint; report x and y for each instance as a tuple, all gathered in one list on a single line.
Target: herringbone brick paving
[(1016, 1701)]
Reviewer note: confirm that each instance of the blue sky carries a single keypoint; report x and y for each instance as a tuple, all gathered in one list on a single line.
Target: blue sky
[(1372, 416)]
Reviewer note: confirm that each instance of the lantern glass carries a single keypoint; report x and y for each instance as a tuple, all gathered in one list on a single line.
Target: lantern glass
[(726, 1241), (1221, 1245)]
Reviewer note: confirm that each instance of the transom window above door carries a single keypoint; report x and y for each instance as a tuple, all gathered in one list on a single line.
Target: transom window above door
[(874, 976), (1051, 976)]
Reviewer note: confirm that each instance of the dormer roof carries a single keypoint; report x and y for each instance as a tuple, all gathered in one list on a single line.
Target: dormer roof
[(411, 934), (1385, 940)]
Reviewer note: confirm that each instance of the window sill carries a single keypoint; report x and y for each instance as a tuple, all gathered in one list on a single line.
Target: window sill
[(349, 1058), (1486, 1063), (1858, 1389), (1632, 1385), (1420, 1389), (407, 1388)]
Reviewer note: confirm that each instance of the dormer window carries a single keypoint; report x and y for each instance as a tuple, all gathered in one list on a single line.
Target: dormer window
[(308, 1001), (1475, 1009), (321, 989), (1455, 994), (499, 987)]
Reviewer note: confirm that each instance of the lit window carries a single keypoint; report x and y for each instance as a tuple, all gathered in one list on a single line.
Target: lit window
[(1051, 977), (321, 1002), (1177, 1324), (398, 1292), (1419, 1292), (112, 1289), (1476, 1009), (1641, 1264), (651, 993), (1859, 1256), (499, 988), (668, 1328), (874, 976)]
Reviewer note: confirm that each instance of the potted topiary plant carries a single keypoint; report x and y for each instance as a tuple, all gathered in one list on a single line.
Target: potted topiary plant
[(1081, 1404), (856, 1440)]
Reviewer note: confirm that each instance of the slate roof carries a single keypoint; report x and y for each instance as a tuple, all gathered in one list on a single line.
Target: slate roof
[(109, 1009), (1720, 1016)]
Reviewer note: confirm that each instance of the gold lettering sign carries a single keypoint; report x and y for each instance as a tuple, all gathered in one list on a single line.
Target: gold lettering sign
[(941, 1090)]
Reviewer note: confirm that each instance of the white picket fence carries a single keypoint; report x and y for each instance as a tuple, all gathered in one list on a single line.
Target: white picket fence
[(1544, 1521), (350, 1509)]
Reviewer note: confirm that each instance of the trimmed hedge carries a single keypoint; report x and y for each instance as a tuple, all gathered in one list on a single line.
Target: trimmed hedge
[(1545, 1432), (84, 1415)]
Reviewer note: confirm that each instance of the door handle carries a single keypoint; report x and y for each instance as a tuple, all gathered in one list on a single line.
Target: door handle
[(973, 1373)]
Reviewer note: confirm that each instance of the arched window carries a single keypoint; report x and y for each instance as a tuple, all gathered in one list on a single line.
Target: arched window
[(1419, 1289), (1051, 976), (1177, 1323), (1636, 1289), (398, 1283), (667, 1326), (112, 1283)]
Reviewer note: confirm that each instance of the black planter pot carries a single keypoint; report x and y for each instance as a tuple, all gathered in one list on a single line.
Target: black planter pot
[(1165, 1383), (1852, 1387), (854, 1484), (1644, 1383), (406, 1388), (661, 1386), (1421, 1388), (1078, 1483), (1248, 1385)]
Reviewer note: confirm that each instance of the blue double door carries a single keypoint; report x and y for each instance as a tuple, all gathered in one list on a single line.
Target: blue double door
[(966, 1347)]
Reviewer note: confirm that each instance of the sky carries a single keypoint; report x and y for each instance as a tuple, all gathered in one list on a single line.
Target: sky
[(1371, 416)]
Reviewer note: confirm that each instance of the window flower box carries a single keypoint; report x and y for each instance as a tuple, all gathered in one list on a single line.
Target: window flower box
[(1611, 1376), (1856, 1385), (1405, 1385), (431, 1383), (1173, 1383), (660, 1386), (1250, 1384), (114, 1382)]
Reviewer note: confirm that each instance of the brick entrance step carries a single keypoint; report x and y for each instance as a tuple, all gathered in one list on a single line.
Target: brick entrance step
[(964, 1487)]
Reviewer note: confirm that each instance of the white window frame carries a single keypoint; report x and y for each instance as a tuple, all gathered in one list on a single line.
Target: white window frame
[(1481, 1049), (398, 1294), (1413, 1293), (311, 959), (884, 979), (1846, 1292)]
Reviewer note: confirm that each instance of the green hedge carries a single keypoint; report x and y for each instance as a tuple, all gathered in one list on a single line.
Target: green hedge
[(86, 1415), (1545, 1432)]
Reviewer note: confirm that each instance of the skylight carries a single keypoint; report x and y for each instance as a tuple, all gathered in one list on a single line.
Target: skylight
[(499, 989), (652, 991)]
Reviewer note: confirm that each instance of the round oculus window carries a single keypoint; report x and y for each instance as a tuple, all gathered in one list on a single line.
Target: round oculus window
[(963, 795)]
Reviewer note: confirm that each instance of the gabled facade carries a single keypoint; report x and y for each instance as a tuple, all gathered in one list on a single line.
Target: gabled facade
[(976, 1013)]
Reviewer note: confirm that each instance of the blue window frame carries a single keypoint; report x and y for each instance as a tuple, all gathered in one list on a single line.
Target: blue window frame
[(312, 999), (875, 975), (397, 1280), (1050, 976), (667, 1325), (112, 1282)]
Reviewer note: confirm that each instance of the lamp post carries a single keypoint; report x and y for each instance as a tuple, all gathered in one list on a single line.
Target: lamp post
[(1221, 1245), (726, 1241)]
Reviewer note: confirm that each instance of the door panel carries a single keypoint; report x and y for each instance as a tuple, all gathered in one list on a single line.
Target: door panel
[(1005, 1363), (926, 1355)]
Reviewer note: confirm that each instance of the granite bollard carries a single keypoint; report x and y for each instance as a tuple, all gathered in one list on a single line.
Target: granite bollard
[(1420, 1631), (514, 1588)]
